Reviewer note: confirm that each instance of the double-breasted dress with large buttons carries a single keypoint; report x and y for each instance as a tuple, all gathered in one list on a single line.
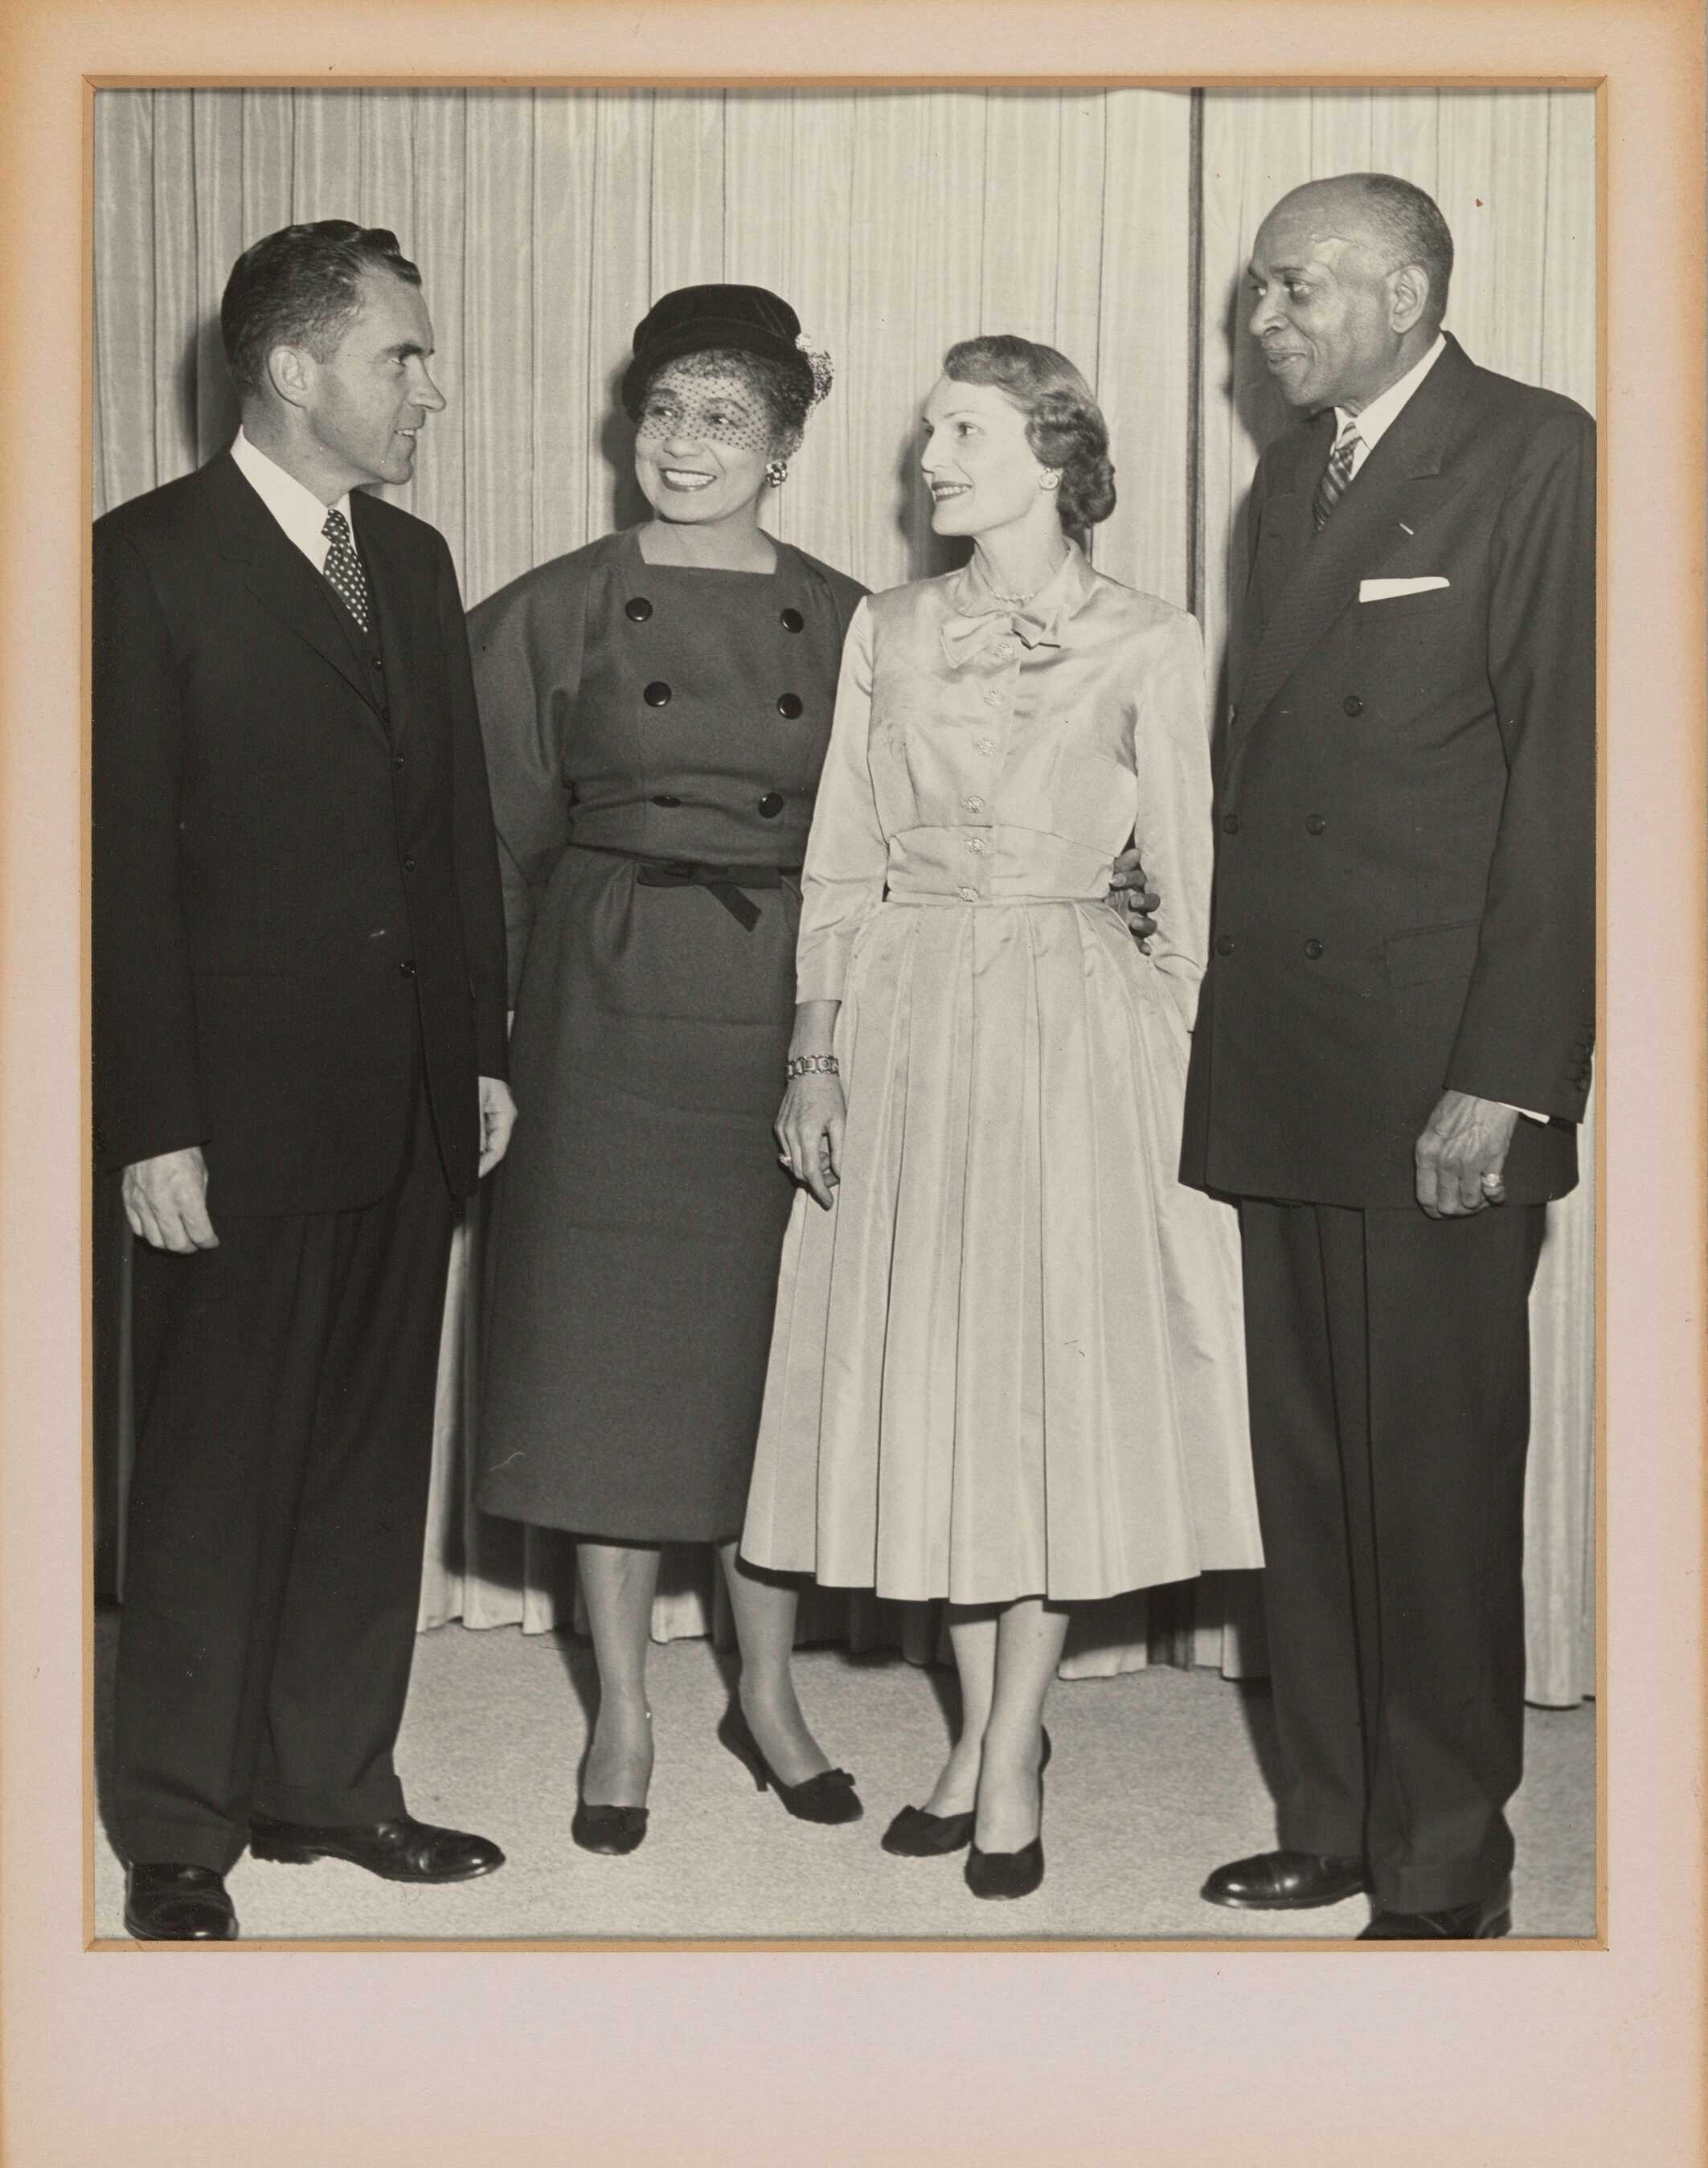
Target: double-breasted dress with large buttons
[(1009, 1361), (646, 726)]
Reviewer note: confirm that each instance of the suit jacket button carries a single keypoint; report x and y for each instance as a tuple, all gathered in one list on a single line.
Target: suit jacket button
[(1224, 944), (789, 704), (792, 621), (657, 694), (407, 967), (1352, 705), (1314, 824), (409, 865), (397, 760), (1314, 949), (770, 805), (637, 609), (1230, 824)]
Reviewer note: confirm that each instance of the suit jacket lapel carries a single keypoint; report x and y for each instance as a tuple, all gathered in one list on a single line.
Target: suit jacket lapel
[(1397, 487), (280, 577)]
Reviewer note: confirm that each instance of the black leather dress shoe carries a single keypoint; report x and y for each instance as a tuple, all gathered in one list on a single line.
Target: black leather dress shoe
[(400, 1850), (1285, 1882), (1483, 1920), (169, 1902)]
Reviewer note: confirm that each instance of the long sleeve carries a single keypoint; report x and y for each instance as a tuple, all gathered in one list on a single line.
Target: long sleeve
[(847, 852), (478, 886), (148, 1095), (1528, 1019), (525, 648), (1171, 750)]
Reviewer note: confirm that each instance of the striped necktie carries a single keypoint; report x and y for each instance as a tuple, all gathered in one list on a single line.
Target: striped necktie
[(1332, 487), (344, 567)]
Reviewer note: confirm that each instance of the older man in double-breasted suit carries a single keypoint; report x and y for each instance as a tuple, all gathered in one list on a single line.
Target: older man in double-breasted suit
[(1393, 1050), (299, 1054)]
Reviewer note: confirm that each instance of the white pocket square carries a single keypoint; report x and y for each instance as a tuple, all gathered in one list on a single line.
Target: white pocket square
[(1384, 591)]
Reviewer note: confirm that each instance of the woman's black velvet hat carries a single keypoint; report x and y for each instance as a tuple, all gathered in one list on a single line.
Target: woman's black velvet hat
[(696, 318)]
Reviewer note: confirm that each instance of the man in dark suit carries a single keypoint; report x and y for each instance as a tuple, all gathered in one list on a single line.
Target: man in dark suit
[(1393, 1045), (299, 1050)]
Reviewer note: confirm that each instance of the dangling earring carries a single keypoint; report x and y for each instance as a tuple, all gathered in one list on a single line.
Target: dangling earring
[(777, 472), (1050, 480)]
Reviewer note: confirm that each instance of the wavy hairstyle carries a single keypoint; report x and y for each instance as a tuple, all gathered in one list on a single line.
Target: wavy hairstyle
[(301, 286), (1064, 425)]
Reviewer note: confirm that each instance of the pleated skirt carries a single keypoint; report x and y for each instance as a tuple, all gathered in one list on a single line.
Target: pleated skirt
[(1010, 1361)]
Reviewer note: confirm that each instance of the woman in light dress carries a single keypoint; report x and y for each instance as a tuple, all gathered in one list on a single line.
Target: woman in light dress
[(1007, 1366)]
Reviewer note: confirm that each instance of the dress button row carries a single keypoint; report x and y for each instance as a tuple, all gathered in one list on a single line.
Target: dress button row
[(1314, 949), (657, 694), (1003, 651), (770, 805), (974, 805), (1314, 824), (985, 745), (967, 894), (976, 845), (638, 609), (789, 704), (1224, 944), (994, 696)]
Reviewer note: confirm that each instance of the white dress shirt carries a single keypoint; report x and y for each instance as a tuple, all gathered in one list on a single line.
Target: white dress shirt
[(1373, 422), (297, 510)]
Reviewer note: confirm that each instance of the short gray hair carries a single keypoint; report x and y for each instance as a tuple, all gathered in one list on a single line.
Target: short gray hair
[(1409, 229)]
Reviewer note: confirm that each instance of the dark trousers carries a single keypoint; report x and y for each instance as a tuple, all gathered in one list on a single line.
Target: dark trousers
[(284, 1390), (1389, 1364)]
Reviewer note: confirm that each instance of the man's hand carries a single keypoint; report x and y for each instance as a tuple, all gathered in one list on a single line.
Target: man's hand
[(1460, 1155), (1132, 896), (166, 1201), (497, 1120)]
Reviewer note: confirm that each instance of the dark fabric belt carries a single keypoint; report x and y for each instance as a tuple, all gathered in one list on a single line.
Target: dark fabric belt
[(726, 883)]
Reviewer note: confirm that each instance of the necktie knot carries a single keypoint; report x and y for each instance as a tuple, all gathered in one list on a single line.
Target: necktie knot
[(344, 569)]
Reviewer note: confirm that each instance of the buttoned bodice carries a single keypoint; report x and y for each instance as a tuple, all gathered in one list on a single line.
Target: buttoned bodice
[(984, 755)]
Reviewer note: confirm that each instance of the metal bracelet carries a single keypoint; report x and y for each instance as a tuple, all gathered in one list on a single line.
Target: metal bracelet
[(809, 1064)]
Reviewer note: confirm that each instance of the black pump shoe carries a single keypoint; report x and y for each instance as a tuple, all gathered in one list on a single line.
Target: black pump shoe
[(1006, 1873), (612, 1830), (1011, 1874), (916, 1833), (828, 1797)]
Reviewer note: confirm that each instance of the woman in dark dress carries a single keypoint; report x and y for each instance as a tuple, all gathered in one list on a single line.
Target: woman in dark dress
[(656, 708)]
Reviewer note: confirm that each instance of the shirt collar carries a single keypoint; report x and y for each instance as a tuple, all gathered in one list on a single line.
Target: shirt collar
[(1373, 422), (298, 511)]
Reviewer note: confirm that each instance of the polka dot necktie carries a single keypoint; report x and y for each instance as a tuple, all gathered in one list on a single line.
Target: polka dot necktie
[(1332, 487), (344, 567)]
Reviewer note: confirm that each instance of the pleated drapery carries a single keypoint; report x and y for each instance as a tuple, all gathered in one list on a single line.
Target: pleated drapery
[(1115, 225)]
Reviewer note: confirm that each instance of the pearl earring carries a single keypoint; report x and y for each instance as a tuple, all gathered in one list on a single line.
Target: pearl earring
[(777, 472), (1049, 481)]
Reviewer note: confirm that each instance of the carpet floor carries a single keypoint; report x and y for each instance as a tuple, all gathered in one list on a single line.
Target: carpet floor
[(1156, 1775)]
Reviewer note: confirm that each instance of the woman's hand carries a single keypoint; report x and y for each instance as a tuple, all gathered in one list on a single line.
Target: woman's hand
[(809, 1132)]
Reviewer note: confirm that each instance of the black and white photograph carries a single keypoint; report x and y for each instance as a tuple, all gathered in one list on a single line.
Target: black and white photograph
[(843, 1002)]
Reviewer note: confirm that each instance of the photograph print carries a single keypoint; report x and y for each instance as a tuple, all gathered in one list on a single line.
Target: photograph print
[(843, 999)]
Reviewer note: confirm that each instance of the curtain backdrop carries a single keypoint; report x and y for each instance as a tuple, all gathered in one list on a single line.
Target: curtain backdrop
[(1115, 225)]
